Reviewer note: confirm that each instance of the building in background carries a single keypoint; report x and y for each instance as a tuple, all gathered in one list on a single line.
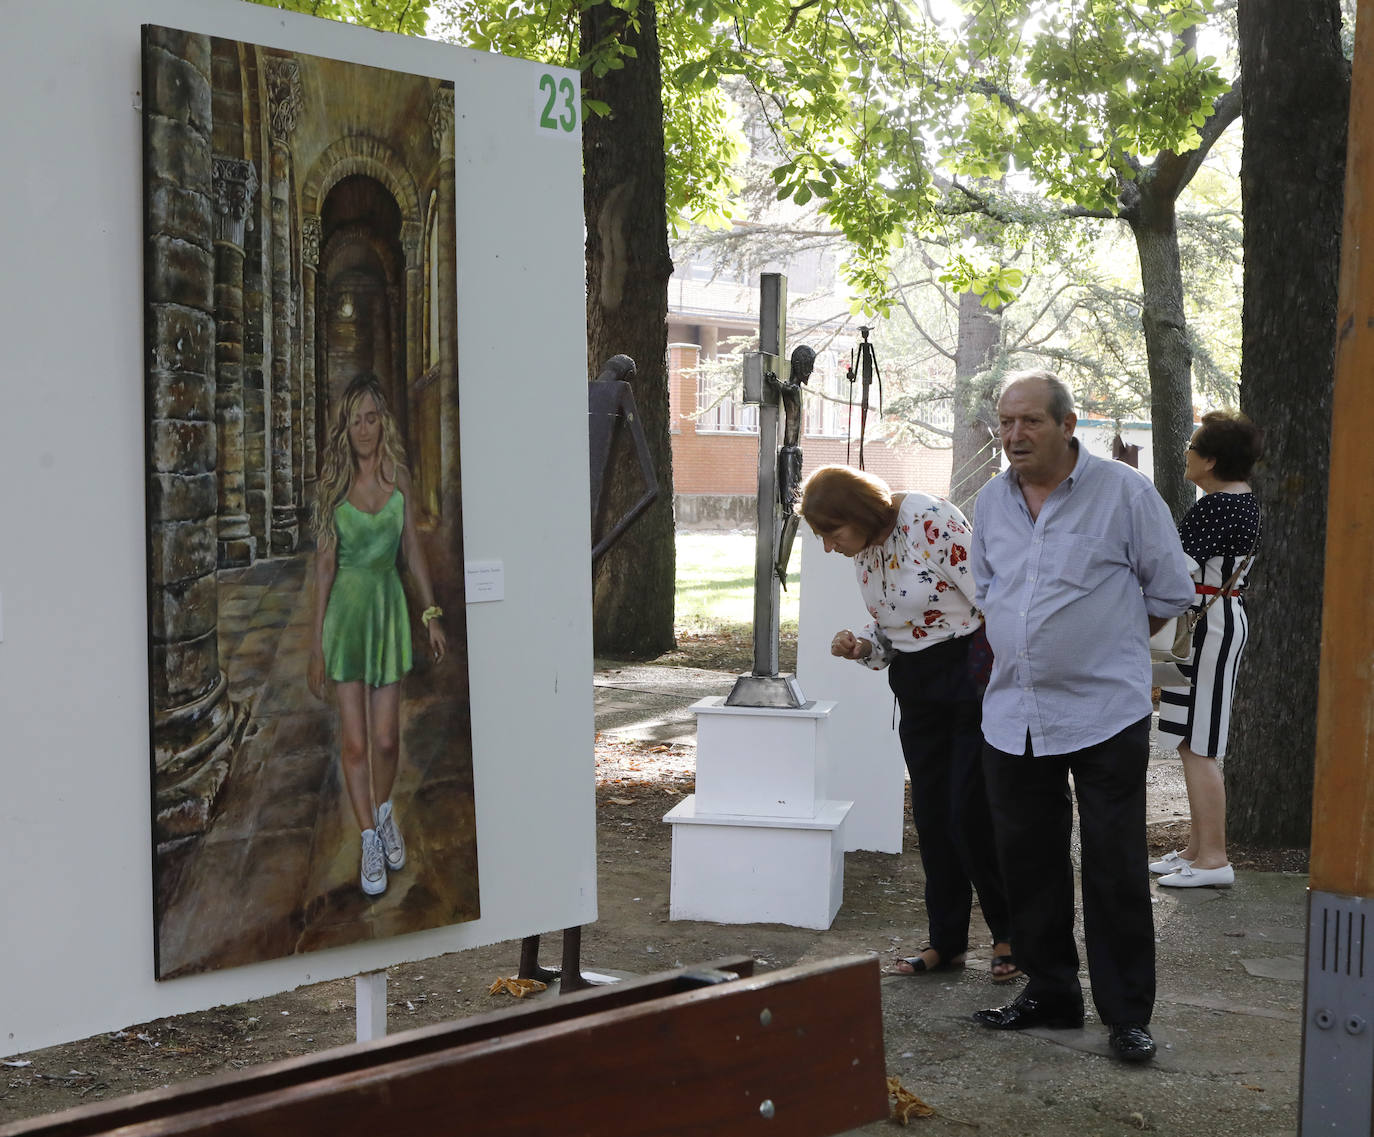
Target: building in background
[(713, 313)]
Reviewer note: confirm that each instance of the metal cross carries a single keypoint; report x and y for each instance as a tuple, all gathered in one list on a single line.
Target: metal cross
[(765, 371)]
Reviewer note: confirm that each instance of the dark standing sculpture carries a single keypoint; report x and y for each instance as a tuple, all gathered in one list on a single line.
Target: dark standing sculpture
[(611, 402), (868, 367)]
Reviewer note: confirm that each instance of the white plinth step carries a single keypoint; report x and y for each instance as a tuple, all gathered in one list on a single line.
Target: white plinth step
[(761, 761), (747, 869)]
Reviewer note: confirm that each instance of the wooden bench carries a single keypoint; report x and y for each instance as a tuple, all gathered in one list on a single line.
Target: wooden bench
[(711, 1051)]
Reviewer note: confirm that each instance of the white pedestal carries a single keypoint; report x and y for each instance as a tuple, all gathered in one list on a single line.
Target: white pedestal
[(759, 842), (761, 761), (757, 870)]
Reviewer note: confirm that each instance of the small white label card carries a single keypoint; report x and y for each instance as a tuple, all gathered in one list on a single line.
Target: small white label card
[(486, 580)]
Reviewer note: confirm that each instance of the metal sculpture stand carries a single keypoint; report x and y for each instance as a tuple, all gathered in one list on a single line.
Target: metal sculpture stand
[(570, 976)]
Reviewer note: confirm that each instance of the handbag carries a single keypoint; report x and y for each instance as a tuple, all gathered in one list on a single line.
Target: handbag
[(1173, 643), (1170, 646)]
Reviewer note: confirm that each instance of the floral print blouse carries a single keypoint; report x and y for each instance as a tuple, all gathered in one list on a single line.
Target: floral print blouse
[(916, 584)]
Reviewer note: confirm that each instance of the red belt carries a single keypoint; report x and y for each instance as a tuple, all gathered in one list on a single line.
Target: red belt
[(1208, 590)]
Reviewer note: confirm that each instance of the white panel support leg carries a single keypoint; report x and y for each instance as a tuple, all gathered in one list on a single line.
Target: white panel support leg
[(370, 998)]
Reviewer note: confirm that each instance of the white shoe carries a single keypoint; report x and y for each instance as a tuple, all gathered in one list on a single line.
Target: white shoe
[(374, 864), (1170, 862), (1189, 877), (392, 844)]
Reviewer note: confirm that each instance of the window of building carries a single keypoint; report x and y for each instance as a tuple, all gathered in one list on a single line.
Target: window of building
[(827, 401), (720, 407), (707, 272)]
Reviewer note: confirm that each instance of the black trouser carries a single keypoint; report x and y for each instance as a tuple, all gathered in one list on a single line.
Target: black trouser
[(1033, 817), (941, 740)]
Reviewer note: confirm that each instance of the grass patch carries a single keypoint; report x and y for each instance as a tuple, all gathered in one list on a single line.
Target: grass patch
[(715, 583)]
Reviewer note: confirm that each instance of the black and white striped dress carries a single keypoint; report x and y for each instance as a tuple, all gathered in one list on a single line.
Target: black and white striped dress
[(1219, 533)]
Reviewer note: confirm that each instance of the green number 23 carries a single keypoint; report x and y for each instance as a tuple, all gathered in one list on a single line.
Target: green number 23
[(564, 88)]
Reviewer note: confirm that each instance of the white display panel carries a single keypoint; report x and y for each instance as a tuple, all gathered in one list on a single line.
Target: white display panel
[(866, 764), (77, 932)]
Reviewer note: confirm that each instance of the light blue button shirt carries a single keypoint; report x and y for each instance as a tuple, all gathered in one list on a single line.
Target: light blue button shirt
[(1067, 598)]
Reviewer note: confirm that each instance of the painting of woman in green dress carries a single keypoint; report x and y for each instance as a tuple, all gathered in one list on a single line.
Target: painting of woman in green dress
[(364, 520)]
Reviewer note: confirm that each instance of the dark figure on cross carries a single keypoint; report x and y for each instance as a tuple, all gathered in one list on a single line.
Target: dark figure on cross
[(789, 454)]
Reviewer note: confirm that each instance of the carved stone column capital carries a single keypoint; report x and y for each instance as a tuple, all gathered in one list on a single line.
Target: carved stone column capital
[(236, 182), (410, 241), (310, 240), (284, 95), (441, 116)]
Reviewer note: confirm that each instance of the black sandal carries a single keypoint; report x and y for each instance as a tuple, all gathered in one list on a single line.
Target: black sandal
[(919, 966), (1006, 976)]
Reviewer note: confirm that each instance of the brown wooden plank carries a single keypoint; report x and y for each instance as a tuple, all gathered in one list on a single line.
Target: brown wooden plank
[(1342, 859), (200, 1093), (806, 1039)]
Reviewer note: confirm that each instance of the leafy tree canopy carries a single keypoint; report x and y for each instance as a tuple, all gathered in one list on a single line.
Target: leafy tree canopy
[(870, 103)]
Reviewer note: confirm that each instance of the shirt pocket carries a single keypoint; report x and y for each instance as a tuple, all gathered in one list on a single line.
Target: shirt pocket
[(1074, 563)]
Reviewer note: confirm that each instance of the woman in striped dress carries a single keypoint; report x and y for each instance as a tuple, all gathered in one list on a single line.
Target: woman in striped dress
[(1221, 533)]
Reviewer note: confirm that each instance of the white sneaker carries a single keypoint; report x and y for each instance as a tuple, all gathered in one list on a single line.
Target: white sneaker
[(392, 844), (1170, 862), (374, 864), (1189, 877)]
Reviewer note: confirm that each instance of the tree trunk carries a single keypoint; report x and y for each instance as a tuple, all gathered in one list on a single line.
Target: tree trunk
[(977, 454), (1296, 92), (1167, 346), (628, 267)]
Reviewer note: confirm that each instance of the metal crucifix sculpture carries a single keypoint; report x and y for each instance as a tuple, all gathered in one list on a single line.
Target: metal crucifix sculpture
[(771, 381)]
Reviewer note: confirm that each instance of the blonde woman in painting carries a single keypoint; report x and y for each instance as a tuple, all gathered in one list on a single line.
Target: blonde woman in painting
[(363, 519)]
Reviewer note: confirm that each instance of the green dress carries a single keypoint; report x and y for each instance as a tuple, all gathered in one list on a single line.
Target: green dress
[(366, 624)]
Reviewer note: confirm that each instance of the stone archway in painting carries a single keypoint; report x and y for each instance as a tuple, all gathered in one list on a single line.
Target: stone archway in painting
[(360, 315), (362, 213)]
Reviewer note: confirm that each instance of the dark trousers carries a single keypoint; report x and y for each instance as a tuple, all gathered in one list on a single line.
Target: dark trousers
[(942, 739), (1033, 818)]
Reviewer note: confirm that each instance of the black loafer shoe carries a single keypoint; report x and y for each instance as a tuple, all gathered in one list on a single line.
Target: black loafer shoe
[(1025, 1012), (1131, 1042)]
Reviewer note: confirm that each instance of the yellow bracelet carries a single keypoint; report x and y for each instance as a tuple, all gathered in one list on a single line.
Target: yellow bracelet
[(431, 613)]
